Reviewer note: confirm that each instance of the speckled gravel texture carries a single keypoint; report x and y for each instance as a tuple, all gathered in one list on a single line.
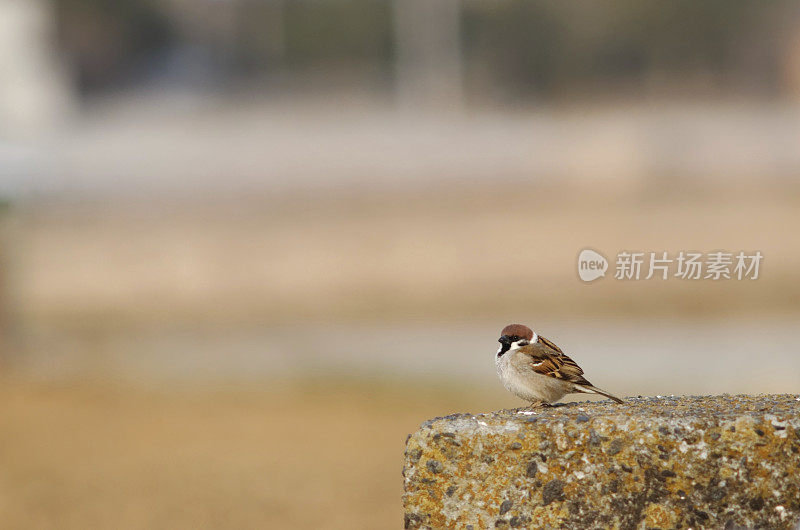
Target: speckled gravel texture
[(660, 462)]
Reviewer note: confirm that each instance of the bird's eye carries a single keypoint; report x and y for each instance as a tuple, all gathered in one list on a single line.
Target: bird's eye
[(514, 338)]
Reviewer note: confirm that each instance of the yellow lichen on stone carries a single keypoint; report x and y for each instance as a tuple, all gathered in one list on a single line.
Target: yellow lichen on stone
[(701, 462), (657, 516)]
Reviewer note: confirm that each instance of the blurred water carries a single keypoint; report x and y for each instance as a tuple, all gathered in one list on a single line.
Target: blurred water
[(628, 358)]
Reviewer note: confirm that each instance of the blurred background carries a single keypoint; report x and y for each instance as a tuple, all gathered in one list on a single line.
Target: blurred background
[(246, 246)]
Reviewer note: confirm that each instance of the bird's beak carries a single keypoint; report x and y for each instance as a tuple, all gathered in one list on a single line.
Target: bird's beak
[(505, 340)]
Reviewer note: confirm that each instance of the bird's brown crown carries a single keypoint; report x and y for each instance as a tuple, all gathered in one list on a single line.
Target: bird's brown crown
[(518, 330)]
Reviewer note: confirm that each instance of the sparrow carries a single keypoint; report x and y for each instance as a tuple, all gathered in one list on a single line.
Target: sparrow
[(533, 368)]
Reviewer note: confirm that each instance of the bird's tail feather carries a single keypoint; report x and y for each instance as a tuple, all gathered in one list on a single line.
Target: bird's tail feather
[(594, 389)]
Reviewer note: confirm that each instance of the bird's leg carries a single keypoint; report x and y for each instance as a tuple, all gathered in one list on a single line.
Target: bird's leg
[(539, 405)]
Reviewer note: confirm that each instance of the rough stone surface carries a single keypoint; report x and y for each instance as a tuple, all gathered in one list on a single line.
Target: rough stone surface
[(664, 462)]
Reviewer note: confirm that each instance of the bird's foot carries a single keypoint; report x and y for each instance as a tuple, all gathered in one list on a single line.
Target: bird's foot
[(539, 405)]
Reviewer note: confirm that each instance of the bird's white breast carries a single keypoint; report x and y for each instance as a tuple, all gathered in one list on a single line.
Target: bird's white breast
[(517, 375)]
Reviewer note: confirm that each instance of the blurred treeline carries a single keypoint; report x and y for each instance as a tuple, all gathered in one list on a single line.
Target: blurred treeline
[(509, 50)]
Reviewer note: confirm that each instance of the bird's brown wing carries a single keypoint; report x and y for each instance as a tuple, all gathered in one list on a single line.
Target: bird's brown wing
[(548, 359)]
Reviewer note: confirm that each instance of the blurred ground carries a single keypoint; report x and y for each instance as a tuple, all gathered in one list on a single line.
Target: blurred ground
[(90, 455), (258, 362), (408, 255)]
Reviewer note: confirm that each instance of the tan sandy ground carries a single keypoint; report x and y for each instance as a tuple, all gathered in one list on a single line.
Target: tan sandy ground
[(444, 253), (95, 456), (87, 456)]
